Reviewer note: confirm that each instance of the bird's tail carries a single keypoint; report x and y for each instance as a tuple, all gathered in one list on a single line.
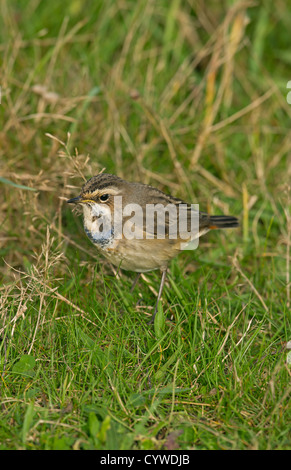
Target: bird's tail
[(223, 221)]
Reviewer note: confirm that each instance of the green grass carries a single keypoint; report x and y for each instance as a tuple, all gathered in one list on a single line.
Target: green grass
[(189, 97)]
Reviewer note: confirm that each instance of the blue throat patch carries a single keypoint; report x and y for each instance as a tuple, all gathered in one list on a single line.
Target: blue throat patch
[(100, 238)]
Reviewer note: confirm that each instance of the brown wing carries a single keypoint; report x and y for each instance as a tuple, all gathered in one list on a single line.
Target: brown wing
[(165, 216)]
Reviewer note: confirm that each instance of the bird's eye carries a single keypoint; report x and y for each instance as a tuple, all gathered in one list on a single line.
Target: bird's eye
[(104, 197)]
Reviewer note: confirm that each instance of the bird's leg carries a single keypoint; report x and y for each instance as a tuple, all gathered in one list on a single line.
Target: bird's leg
[(135, 282), (164, 275)]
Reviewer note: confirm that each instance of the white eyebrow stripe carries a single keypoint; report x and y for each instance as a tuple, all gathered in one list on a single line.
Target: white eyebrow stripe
[(98, 192)]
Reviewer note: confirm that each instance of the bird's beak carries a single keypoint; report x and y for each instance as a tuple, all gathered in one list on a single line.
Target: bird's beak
[(79, 200), (74, 200)]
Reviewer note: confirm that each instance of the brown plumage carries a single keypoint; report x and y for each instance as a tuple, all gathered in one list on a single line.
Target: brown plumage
[(147, 250)]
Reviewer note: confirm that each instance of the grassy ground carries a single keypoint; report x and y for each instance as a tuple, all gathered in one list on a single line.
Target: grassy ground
[(189, 96)]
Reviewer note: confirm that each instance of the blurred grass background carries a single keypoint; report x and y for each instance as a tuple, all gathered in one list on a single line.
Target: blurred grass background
[(189, 96)]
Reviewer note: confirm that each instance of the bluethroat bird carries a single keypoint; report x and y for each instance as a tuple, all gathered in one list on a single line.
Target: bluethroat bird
[(162, 225)]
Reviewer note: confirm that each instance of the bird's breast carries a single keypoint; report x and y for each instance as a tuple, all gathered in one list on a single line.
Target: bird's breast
[(98, 226)]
